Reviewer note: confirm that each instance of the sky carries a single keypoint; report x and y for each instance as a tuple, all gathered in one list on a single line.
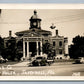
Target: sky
[(69, 22)]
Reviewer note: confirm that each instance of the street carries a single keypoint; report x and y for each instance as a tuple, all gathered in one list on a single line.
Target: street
[(56, 69)]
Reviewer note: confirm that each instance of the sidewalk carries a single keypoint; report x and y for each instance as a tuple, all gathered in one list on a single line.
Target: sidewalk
[(62, 63), (53, 64)]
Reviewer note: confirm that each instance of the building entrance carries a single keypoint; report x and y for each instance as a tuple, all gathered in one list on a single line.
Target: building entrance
[(32, 49)]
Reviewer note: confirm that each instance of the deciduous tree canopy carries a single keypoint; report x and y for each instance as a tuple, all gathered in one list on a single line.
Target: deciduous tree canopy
[(48, 49), (77, 49)]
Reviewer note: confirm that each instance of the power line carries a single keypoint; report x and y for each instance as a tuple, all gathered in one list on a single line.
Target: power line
[(68, 18)]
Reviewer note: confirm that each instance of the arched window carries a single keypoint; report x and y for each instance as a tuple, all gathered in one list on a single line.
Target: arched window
[(53, 43)]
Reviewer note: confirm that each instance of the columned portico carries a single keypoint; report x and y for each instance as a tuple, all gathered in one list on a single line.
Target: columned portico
[(26, 48)]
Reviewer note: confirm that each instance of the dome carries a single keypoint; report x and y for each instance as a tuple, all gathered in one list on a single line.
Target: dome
[(35, 21)]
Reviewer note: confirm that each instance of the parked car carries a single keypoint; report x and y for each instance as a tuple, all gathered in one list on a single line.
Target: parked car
[(2, 60), (39, 61), (50, 60), (5, 60), (80, 60)]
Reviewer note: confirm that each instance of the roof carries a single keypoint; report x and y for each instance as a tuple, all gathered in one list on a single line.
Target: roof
[(38, 31), (58, 37), (9, 38), (35, 17)]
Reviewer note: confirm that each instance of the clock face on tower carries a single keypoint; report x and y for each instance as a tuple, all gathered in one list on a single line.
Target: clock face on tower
[(34, 23)]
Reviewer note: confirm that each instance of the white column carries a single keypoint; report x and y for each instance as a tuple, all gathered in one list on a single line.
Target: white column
[(37, 48), (27, 49), (23, 49), (66, 48), (41, 47)]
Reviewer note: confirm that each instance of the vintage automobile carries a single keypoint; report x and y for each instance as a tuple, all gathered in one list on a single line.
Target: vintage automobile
[(50, 60), (39, 61), (2, 60), (79, 61)]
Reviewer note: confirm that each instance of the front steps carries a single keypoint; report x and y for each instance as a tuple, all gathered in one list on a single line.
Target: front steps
[(24, 59)]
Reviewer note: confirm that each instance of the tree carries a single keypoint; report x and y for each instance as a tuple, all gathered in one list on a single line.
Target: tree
[(1, 45), (13, 50), (77, 49), (48, 49), (19, 50), (10, 52)]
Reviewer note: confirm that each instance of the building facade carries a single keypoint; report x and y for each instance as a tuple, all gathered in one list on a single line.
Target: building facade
[(34, 38)]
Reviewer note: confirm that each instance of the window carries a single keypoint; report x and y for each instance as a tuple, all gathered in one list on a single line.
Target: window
[(60, 43), (60, 51), (46, 41), (53, 43)]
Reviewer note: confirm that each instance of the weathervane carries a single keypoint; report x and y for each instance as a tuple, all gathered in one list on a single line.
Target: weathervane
[(52, 27)]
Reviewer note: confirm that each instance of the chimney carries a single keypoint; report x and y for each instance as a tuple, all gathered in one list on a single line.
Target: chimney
[(10, 33), (56, 32)]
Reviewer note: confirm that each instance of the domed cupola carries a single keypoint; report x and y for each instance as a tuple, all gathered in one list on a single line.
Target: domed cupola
[(35, 21)]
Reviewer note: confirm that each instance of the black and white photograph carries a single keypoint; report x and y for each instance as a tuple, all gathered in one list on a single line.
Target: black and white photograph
[(42, 42)]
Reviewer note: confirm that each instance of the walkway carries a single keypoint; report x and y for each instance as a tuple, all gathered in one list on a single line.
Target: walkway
[(21, 64)]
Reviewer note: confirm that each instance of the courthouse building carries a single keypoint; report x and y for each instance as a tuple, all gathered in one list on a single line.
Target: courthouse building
[(34, 38)]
